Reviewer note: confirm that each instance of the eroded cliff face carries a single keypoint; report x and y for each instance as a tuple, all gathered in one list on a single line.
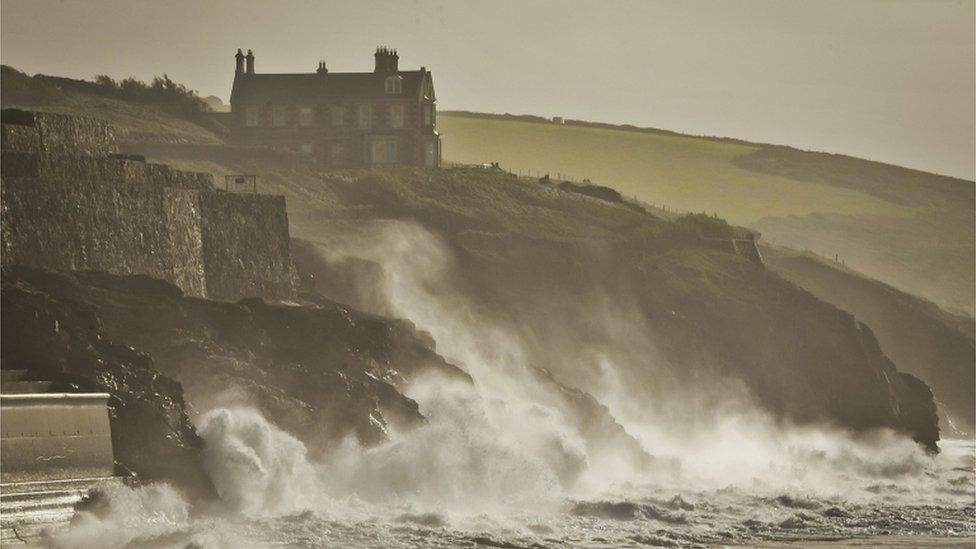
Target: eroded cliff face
[(920, 338)]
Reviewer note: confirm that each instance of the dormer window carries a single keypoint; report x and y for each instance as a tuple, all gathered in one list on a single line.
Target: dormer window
[(393, 85)]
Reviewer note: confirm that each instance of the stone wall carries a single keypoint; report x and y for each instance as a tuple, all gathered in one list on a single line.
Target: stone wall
[(245, 245), (88, 208)]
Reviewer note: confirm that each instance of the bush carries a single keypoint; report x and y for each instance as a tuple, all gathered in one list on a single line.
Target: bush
[(707, 226), (162, 91), (20, 88)]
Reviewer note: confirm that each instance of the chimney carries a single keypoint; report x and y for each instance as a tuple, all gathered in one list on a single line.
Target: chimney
[(387, 60), (322, 68), (250, 62), (240, 62)]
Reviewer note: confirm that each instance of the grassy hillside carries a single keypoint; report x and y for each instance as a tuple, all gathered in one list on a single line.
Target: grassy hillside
[(909, 228), (687, 173)]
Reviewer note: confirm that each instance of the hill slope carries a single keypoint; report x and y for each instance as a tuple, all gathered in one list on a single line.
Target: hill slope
[(909, 228), (607, 298), (521, 254)]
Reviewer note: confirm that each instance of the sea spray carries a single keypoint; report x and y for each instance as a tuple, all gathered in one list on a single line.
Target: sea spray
[(708, 422), (257, 468), (118, 516), (474, 454), (419, 282)]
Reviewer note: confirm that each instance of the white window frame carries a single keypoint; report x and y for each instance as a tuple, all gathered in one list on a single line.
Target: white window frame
[(393, 85), (306, 116)]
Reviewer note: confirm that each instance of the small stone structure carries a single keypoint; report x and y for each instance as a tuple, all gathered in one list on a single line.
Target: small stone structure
[(70, 202), (741, 243)]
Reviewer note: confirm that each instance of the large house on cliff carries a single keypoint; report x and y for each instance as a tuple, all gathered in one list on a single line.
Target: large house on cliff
[(387, 116)]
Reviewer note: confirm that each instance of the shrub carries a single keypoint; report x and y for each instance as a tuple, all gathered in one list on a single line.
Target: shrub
[(162, 91)]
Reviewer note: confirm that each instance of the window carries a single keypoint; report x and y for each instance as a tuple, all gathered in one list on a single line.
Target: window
[(393, 84), (338, 116), (305, 116), (428, 114), (251, 116), (338, 153), (383, 151), (365, 116), (279, 115), (396, 116), (306, 148)]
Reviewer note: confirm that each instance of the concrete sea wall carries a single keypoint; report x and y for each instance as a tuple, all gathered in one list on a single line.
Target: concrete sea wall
[(70, 202), (55, 437)]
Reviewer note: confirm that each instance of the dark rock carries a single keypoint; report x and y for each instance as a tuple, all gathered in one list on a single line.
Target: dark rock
[(320, 371), (62, 340)]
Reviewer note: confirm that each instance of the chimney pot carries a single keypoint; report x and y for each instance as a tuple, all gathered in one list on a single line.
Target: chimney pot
[(239, 58), (250, 62)]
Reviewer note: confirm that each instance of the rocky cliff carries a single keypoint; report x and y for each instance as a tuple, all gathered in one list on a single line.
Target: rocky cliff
[(920, 338), (676, 312)]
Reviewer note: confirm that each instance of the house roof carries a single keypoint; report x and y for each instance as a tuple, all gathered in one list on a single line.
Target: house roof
[(315, 87)]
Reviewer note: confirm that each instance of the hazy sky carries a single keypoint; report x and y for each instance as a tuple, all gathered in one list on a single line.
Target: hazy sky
[(887, 80)]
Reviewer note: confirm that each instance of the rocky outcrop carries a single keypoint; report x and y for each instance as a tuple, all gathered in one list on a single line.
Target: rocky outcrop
[(63, 341), (321, 370)]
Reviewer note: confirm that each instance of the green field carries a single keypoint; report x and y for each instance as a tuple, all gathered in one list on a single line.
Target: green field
[(682, 172), (911, 229)]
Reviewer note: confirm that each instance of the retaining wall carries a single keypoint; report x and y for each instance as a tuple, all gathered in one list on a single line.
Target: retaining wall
[(85, 208)]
